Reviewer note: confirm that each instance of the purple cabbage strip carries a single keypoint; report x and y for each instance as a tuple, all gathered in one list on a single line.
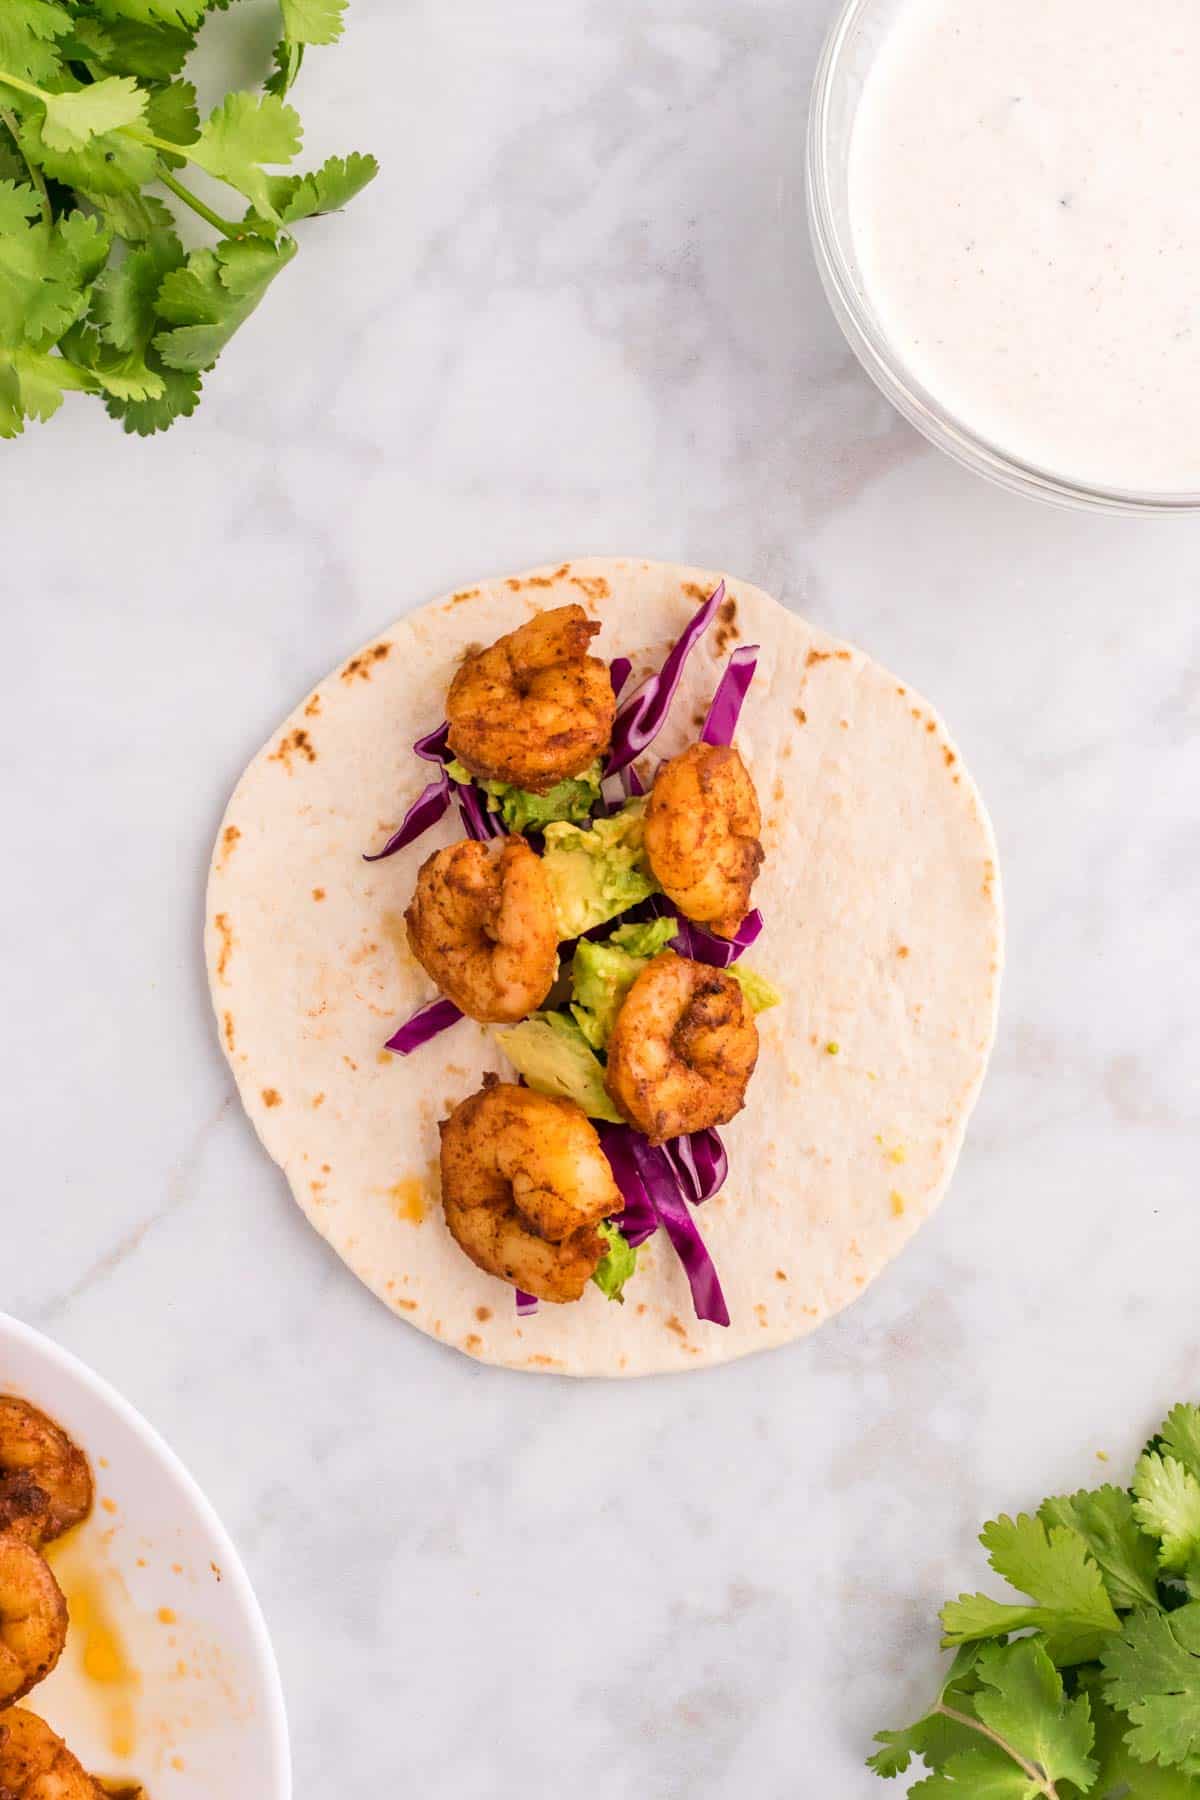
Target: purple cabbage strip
[(425, 1023), (639, 722), (726, 707), (701, 1164), (718, 953), (430, 805), (526, 1303), (480, 821), (619, 671), (639, 1220), (662, 1185)]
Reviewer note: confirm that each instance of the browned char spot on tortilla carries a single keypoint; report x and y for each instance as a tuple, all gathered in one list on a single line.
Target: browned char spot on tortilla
[(760, 1313), (318, 893), (780, 1275), (408, 1305), (221, 921), (227, 1022), (472, 1343), (675, 1324), (313, 706), (272, 1097), (544, 1362), (949, 755), (594, 586), (695, 592), (318, 1100), (902, 951), (800, 715), (359, 667), (229, 838), (463, 594), (727, 626), (817, 656), (295, 743), (483, 1314)]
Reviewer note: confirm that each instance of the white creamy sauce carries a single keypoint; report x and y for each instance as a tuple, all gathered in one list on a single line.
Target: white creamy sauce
[(1025, 206)]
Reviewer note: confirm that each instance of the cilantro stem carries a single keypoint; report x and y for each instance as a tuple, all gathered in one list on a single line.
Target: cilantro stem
[(1031, 1769), (12, 125), (22, 87), (225, 226)]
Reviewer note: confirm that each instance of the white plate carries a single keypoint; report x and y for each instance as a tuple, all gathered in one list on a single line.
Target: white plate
[(168, 1677)]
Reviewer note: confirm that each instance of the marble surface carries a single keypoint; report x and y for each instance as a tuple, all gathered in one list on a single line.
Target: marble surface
[(579, 314)]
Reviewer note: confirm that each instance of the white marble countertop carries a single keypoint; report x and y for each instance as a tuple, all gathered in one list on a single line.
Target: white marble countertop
[(578, 314)]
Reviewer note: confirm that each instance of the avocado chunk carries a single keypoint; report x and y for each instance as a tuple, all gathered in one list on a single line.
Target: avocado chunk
[(759, 992), (602, 974), (596, 875), (617, 1265), (553, 1055), (522, 811)]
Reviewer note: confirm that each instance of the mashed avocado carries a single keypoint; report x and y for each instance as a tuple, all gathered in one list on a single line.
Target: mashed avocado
[(523, 811), (602, 975), (553, 1055), (617, 1264), (595, 875), (758, 990)]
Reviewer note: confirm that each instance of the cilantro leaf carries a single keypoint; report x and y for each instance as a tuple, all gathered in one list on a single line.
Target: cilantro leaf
[(1181, 1435), (1152, 1673), (214, 293), (313, 21), (946, 1729), (1167, 1505), (123, 46), (240, 136), (73, 119), (1104, 1520), (1021, 1699), (32, 384), (29, 34), (326, 189), (1058, 1571), (617, 1265), (1120, 1771), (18, 204), (179, 399), (176, 13), (982, 1774), (114, 163), (40, 292), (171, 114)]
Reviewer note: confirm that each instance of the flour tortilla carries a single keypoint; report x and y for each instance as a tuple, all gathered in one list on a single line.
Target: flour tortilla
[(883, 929)]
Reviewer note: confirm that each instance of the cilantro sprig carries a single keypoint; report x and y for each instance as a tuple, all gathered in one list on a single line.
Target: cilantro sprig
[(1090, 1685), (98, 129)]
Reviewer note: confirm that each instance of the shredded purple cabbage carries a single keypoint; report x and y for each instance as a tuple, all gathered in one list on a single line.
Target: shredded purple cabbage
[(526, 1303), (718, 953), (641, 719), (434, 801), (434, 1017), (639, 1220), (662, 1186), (619, 671), (726, 707), (701, 1164)]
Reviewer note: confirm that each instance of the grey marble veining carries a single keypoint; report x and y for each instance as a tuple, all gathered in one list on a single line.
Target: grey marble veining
[(578, 314)]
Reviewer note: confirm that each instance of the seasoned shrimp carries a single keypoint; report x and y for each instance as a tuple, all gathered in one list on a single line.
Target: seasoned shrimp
[(35, 1764), (702, 827), (33, 1619), (683, 1048), (534, 708), (45, 1482), (482, 925), (524, 1185)]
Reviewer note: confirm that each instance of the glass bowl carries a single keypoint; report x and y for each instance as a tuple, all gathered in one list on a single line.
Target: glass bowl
[(849, 51)]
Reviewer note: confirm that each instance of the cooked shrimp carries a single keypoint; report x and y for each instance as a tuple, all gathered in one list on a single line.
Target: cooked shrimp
[(702, 827), (482, 924), (534, 708), (33, 1619), (45, 1482), (524, 1184), (35, 1764), (683, 1048)]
